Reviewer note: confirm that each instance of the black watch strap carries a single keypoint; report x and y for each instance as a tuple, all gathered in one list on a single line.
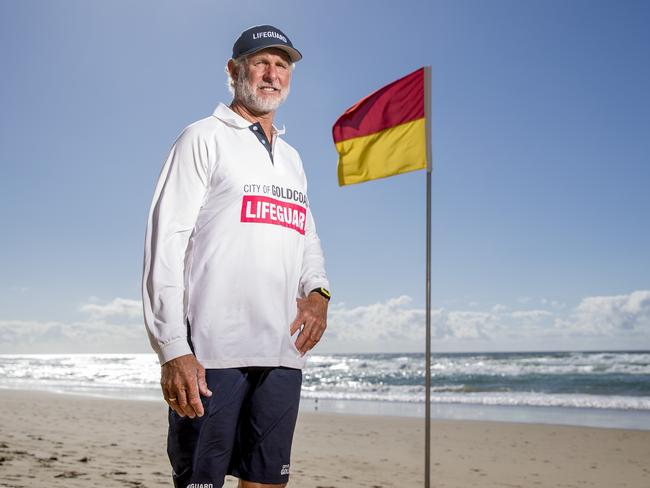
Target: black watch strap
[(322, 291)]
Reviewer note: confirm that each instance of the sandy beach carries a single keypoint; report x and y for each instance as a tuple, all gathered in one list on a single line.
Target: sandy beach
[(56, 440)]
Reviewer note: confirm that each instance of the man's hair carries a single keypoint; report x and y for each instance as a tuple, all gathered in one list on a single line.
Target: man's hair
[(240, 63)]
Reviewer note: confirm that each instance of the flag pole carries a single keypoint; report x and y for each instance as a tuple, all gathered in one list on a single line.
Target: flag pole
[(427, 382)]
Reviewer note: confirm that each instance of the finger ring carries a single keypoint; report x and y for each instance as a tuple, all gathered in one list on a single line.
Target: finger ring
[(172, 399)]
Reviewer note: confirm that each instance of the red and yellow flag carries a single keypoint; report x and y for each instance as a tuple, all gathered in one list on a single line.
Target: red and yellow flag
[(383, 134)]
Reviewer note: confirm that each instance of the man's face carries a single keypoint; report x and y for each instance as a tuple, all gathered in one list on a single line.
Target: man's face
[(263, 83)]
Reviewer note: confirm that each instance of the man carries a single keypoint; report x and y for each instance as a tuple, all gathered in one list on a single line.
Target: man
[(234, 286)]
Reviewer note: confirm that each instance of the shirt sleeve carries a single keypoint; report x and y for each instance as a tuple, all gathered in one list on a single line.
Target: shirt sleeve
[(313, 262), (177, 199)]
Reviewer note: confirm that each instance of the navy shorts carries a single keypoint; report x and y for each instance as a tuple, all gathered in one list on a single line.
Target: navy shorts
[(246, 430)]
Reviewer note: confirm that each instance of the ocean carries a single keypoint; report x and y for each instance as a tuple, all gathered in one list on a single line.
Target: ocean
[(601, 388)]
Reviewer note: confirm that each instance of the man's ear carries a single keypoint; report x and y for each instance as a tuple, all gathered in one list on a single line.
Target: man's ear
[(232, 69)]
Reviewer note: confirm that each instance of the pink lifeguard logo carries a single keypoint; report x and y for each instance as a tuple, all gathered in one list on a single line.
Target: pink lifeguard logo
[(268, 210)]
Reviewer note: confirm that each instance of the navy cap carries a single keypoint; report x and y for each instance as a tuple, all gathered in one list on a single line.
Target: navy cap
[(262, 36)]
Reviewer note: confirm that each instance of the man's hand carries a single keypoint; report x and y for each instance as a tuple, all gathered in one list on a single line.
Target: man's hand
[(312, 317), (182, 381)]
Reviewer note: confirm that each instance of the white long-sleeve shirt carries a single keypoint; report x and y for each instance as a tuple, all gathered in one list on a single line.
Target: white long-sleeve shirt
[(230, 244)]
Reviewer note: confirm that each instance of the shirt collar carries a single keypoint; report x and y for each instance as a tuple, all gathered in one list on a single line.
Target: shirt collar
[(227, 115)]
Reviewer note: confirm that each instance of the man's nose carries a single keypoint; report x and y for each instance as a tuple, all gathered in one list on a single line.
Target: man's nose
[(271, 73)]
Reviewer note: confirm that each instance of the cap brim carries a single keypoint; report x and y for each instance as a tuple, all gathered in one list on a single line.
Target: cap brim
[(293, 53)]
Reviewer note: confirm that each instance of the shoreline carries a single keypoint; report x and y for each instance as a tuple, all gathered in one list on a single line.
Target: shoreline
[(527, 414), (75, 441)]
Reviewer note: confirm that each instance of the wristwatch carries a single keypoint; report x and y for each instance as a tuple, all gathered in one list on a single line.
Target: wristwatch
[(323, 292)]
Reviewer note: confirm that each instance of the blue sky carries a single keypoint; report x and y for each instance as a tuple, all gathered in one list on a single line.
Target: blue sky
[(541, 146)]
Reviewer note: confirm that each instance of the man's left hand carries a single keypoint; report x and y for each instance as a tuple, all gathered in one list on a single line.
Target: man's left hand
[(312, 317)]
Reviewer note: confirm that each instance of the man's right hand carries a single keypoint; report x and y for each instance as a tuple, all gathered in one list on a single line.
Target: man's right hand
[(183, 381)]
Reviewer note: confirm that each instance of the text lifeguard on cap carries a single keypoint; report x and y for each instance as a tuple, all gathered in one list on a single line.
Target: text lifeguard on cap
[(257, 35)]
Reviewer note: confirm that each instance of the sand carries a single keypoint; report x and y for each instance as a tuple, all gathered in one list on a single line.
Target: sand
[(56, 440)]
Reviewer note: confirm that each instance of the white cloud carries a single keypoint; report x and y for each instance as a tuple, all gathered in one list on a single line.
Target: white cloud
[(115, 326), (25, 336), (118, 307), (393, 325), (531, 315), (378, 322), (396, 320), (543, 301), (461, 324), (396, 323), (606, 315)]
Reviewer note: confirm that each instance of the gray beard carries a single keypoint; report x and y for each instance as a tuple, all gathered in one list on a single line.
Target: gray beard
[(245, 93)]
